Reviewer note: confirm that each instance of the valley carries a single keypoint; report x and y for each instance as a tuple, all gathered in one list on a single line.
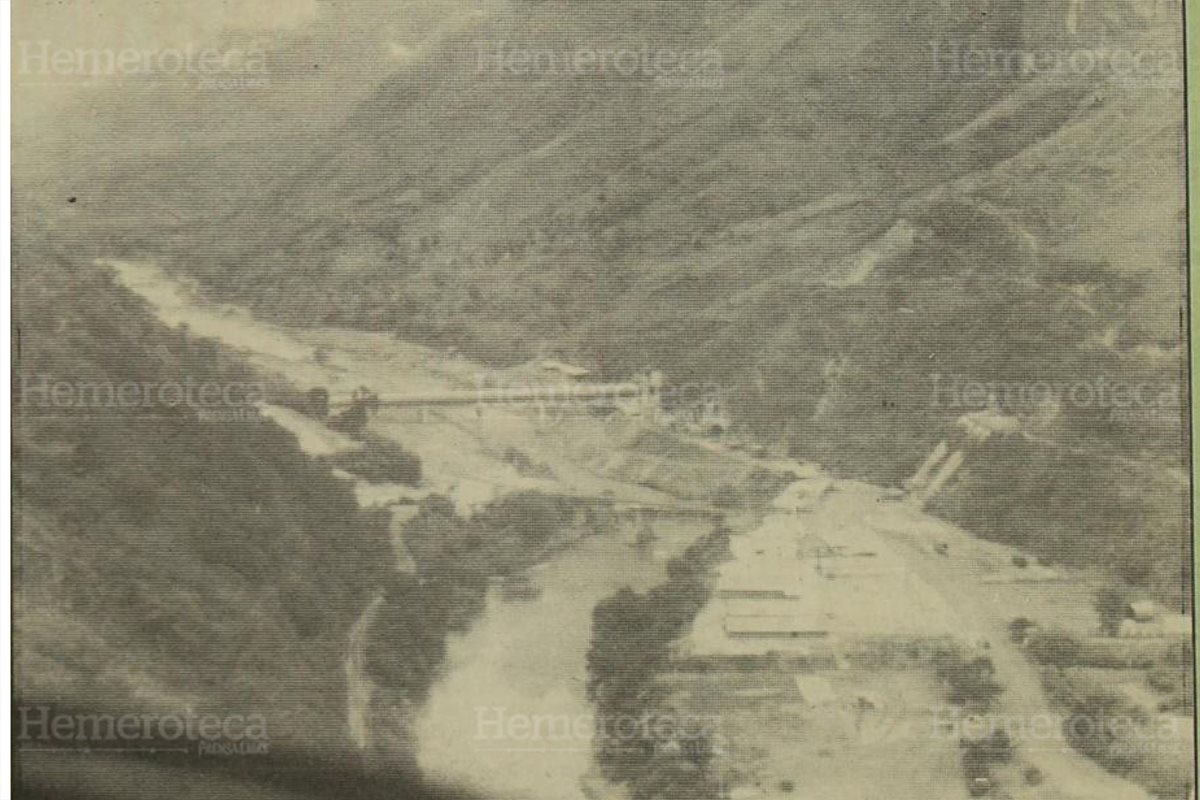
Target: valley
[(524, 656)]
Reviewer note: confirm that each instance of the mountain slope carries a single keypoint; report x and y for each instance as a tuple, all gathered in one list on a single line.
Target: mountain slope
[(165, 561), (834, 211)]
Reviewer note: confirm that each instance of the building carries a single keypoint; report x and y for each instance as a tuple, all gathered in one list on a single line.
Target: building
[(1168, 625), (742, 580), (772, 626), (567, 370), (1143, 610)]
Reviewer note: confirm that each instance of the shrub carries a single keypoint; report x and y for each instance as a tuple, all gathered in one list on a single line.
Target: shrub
[(1112, 604), (631, 638), (1019, 628), (407, 641), (971, 681), (1105, 727), (380, 461), (531, 517), (1054, 648)]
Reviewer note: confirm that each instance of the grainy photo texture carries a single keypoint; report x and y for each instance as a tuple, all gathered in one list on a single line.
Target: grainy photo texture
[(601, 400)]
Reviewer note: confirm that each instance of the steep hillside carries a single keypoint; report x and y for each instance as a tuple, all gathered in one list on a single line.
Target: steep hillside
[(795, 136), (834, 210), (165, 560)]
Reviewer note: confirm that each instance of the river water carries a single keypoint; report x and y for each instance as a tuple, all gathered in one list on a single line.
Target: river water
[(522, 660), (523, 664)]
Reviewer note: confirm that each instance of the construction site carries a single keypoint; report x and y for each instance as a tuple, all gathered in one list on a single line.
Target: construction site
[(816, 652), (802, 587)]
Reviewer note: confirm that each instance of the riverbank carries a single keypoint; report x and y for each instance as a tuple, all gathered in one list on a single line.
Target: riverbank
[(522, 647)]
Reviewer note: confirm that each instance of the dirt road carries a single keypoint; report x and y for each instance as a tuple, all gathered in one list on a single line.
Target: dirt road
[(1068, 774)]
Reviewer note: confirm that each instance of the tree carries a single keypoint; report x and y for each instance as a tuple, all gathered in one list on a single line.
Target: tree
[(1113, 607), (1019, 628), (972, 683), (1105, 727), (1054, 648)]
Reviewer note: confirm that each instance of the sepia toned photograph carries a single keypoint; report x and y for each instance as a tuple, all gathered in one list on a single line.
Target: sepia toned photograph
[(600, 400)]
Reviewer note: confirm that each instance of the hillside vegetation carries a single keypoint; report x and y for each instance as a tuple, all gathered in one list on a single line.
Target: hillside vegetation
[(829, 213), (165, 561)]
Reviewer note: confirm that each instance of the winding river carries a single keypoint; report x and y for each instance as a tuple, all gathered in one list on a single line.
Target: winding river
[(523, 660)]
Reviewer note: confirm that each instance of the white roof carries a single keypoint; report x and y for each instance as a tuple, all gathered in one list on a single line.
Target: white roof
[(980, 425), (1170, 625), (566, 369), (815, 690), (1143, 609), (759, 575)]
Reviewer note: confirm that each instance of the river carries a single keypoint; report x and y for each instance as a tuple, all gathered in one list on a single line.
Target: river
[(523, 660), (495, 719)]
